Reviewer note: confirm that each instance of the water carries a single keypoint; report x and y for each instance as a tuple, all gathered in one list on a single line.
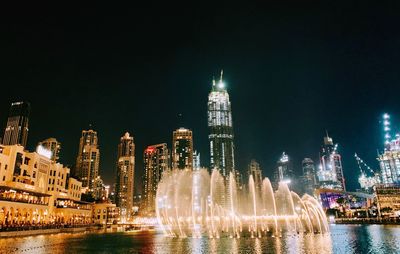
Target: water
[(194, 203), (341, 239)]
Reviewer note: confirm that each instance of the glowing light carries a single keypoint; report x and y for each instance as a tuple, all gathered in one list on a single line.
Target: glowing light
[(221, 84), (44, 152), (387, 129), (386, 116)]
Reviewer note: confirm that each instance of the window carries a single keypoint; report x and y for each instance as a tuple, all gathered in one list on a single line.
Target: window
[(26, 160), (34, 174), (4, 178), (5, 167)]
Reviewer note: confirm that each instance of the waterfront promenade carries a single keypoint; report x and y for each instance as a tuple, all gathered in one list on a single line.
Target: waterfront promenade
[(383, 221)]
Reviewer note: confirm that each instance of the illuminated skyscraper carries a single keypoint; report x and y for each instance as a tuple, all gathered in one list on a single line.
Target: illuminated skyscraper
[(156, 161), (124, 185), (255, 171), (88, 159), (284, 170), (330, 174), (309, 176), (52, 145), (389, 160), (16, 131), (220, 129), (196, 160), (182, 149)]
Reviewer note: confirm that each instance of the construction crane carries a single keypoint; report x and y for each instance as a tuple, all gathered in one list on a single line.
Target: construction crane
[(368, 177)]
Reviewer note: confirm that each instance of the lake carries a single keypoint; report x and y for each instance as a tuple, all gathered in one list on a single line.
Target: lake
[(341, 239)]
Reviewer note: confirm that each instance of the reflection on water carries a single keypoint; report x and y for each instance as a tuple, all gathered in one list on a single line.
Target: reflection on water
[(342, 239)]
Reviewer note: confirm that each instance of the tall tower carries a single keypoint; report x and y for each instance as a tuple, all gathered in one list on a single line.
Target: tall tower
[(330, 175), (255, 171), (16, 131), (124, 186), (52, 145), (88, 159), (284, 170), (309, 176), (220, 129), (182, 149), (156, 161)]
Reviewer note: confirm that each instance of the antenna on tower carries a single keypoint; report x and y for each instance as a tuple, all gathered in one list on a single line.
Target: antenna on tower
[(222, 73)]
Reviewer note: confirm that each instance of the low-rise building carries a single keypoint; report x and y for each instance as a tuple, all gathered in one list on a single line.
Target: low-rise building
[(35, 189), (105, 213), (388, 199)]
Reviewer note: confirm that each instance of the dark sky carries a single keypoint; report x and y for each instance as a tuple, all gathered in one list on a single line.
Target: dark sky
[(292, 69)]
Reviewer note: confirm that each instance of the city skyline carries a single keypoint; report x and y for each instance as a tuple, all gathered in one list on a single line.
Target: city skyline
[(297, 174), (289, 80)]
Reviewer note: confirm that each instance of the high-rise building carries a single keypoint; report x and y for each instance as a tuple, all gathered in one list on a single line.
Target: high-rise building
[(220, 127), (284, 170), (255, 171), (330, 174), (88, 160), (16, 131), (124, 186), (196, 160), (52, 145), (309, 176), (389, 160), (156, 161), (182, 149)]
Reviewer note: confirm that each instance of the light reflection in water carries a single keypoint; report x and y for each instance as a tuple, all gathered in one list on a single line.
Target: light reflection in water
[(342, 239)]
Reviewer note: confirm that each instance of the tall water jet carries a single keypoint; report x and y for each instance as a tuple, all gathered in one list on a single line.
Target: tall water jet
[(193, 203)]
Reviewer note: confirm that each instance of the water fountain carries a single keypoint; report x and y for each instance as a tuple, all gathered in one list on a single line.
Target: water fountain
[(195, 203)]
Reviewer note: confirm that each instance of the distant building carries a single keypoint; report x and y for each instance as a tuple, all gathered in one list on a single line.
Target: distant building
[(196, 160), (88, 160), (124, 187), (389, 162), (156, 161), (54, 146), (182, 149), (330, 174), (284, 170), (220, 127), (16, 131), (255, 171), (309, 176)]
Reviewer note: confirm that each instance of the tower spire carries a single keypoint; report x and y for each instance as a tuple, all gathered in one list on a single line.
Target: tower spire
[(222, 73)]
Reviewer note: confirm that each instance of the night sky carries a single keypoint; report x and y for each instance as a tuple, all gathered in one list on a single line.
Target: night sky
[(293, 70)]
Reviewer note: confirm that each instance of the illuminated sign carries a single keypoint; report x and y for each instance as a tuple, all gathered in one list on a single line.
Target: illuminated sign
[(44, 152)]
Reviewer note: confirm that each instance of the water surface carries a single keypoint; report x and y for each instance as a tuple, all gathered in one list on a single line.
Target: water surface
[(341, 239)]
